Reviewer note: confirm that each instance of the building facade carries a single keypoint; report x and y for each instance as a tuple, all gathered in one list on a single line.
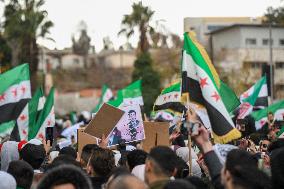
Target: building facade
[(246, 47)]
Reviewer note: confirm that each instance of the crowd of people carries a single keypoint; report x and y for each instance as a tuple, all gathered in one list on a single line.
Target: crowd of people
[(256, 161)]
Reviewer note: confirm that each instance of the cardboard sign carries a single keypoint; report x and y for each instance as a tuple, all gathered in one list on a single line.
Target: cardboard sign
[(156, 133), (84, 139), (129, 128), (104, 121)]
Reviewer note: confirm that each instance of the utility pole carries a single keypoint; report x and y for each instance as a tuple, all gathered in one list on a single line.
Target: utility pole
[(271, 63)]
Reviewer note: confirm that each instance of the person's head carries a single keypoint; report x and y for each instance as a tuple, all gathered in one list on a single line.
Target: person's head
[(65, 177), (279, 143), (33, 154), (69, 151), (136, 157), (86, 154), (160, 164), (22, 172), (101, 163), (197, 182), (127, 182), (9, 152), (240, 171), (116, 172), (182, 168), (7, 181), (270, 116), (132, 115), (277, 168), (178, 184), (63, 160), (263, 145)]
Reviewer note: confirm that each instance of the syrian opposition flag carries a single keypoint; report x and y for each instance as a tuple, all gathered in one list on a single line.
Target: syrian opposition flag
[(260, 116), (105, 97), (258, 94), (6, 128), (46, 118), (170, 98), (15, 92), (29, 114), (130, 95), (280, 133), (163, 115), (202, 83)]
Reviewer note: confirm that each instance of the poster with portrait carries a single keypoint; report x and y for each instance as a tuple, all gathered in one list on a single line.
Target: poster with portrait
[(129, 128)]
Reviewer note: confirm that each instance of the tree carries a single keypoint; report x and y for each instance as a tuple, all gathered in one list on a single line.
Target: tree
[(150, 80), (274, 16), (5, 54), (82, 45), (140, 18), (24, 23)]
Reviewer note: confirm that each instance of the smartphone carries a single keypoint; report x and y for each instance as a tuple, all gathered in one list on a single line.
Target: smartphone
[(49, 134), (193, 128)]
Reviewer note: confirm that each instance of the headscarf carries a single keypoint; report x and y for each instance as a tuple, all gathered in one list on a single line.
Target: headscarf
[(139, 171), (183, 153), (9, 152), (7, 181)]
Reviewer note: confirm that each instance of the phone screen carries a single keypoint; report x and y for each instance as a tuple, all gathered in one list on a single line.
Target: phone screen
[(49, 134)]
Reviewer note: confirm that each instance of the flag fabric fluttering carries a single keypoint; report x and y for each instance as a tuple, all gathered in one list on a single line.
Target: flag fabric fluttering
[(7, 128), (46, 118), (105, 97), (15, 92), (29, 114), (280, 133), (170, 98), (162, 115), (130, 95), (257, 95), (203, 85), (260, 116)]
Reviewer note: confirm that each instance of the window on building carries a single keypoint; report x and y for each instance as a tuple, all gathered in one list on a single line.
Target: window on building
[(281, 42), (76, 61), (279, 65), (266, 42), (254, 64), (214, 27), (250, 41)]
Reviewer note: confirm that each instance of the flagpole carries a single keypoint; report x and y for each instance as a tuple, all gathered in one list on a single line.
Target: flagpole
[(189, 141)]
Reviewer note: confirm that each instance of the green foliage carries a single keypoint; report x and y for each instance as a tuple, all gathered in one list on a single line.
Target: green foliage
[(150, 80), (274, 16), (139, 18)]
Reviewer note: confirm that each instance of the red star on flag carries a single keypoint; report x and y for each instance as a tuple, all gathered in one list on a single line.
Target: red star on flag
[(262, 122), (2, 97), (24, 132), (23, 117), (165, 98), (203, 82), (169, 96), (15, 92), (41, 136), (176, 95), (216, 96), (245, 95), (23, 88), (48, 123)]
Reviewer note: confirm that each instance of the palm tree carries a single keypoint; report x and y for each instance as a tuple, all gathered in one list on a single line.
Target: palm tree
[(140, 18), (25, 22)]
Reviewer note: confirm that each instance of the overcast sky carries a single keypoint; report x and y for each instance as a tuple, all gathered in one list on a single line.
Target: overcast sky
[(103, 17)]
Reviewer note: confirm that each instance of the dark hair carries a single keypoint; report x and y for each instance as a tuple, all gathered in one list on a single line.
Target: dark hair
[(165, 158), (277, 168), (87, 152), (102, 162), (33, 154), (22, 172), (63, 160), (136, 157), (243, 168), (131, 111), (179, 184), (270, 113), (69, 151), (279, 143), (182, 168), (65, 174), (197, 182)]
